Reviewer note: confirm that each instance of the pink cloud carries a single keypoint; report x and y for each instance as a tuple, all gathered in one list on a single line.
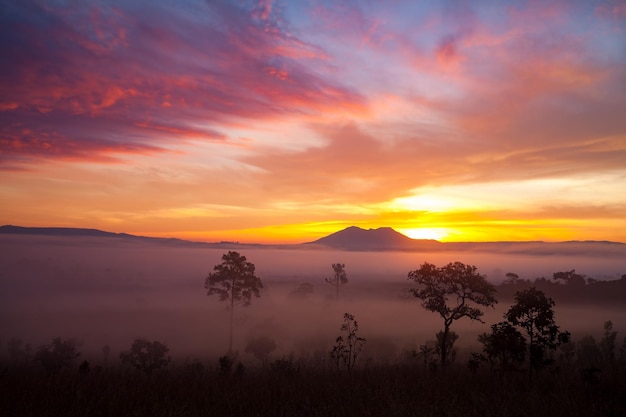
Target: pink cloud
[(115, 69)]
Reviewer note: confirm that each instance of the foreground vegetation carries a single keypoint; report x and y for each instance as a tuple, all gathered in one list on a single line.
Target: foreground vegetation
[(304, 388)]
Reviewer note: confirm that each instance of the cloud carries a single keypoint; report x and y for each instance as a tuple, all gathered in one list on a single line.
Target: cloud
[(305, 112), (118, 68)]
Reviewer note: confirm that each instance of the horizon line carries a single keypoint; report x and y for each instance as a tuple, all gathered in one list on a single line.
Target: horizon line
[(122, 234)]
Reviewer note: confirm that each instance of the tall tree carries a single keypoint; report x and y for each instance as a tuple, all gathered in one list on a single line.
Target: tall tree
[(233, 281), (339, 278), (532, 311), (453, 292)]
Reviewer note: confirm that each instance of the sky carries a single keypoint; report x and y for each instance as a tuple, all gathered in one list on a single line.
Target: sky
[(283, 121)]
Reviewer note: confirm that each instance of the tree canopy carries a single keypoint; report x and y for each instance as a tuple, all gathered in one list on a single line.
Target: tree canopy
[(339, 278), (532, 311), (452, 291), (146, 356), (233, 280)]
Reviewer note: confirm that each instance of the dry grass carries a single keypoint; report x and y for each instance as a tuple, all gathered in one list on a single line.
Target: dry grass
[(307, 390)]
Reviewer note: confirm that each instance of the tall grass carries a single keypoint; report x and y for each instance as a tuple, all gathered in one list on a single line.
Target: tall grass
[(308, 389)]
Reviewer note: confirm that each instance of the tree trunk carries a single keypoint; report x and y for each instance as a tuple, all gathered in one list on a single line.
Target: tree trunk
[(530, 356), (444, 346), (232, 313)]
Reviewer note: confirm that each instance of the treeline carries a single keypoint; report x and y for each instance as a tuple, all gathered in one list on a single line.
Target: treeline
[(568, 286)]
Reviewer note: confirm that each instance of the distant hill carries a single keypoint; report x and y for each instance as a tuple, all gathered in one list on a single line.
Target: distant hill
[(77, 232), (351, 239), (383, 238)]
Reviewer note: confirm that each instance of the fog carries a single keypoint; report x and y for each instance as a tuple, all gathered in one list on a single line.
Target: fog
[(107, 291)]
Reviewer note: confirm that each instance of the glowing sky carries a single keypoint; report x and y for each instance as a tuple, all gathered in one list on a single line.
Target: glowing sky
[(282, 121)]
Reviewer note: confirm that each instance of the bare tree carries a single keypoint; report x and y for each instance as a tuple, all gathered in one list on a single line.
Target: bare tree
[(451, 291), (347, 350), (339, 278), (234, 281)]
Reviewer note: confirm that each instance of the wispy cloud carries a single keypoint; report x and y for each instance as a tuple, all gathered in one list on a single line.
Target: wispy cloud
[(124, 71)]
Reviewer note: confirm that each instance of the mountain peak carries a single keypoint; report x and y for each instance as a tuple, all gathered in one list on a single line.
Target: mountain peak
[(356, 238)]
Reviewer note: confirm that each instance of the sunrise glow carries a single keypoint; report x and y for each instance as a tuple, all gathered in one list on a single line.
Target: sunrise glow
[(282, 122)]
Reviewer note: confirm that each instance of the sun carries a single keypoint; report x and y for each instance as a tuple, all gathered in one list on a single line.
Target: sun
[(426, 233)]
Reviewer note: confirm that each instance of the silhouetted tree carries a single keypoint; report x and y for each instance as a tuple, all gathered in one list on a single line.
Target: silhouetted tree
[(504, 346), (532, 311), (304, 290), (58, 355), (234, 281), (607, 344), (19, 352), (426, 351), (146, 356), (570, 278), (450, 291), (511, 278), (567, 351), (448, 342), (622, 349), (588, 353), (347, 350), (84, 367), (106, 351), (261, 347), (339, 278)]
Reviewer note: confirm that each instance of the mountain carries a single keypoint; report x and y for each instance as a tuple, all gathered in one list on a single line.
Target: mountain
[(386, 239), (383, 238), (88, 233)]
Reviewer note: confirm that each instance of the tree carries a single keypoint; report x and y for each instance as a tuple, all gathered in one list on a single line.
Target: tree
[(511, 278), (146, 356), (449, 346), (570, 278), (588, 352), (450, 291), (58, 355), (504, 346), (19, 352), (532, 311), (607, 344), (425, 351), (347, 350), (261, 347), (234, 281), (304, 290), (340, 277)]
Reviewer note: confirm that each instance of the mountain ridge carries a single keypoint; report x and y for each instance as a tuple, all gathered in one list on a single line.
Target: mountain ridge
[(352, 238)]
